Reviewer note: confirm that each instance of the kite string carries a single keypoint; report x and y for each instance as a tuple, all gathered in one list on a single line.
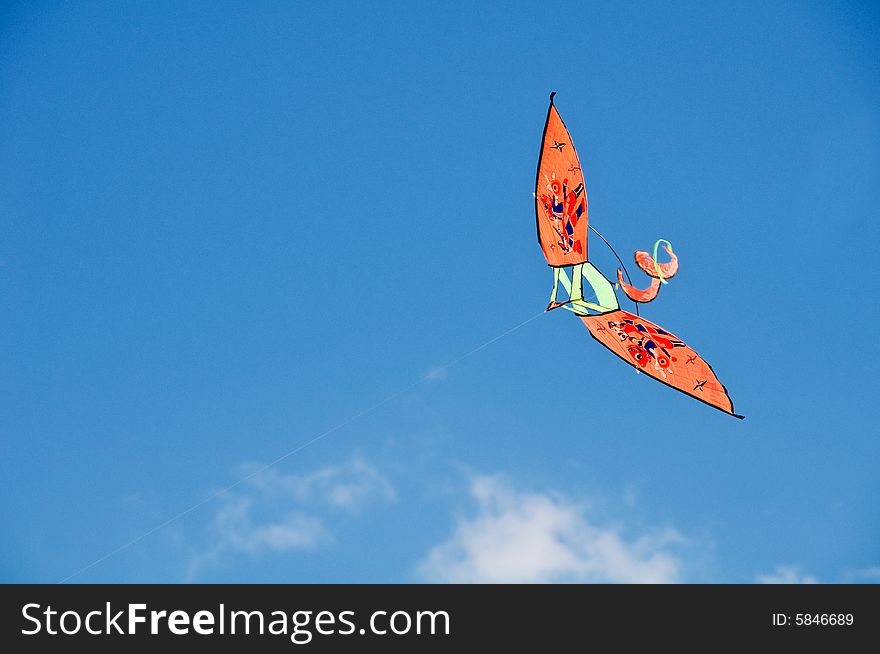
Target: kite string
[(424, 378), (619, 260)]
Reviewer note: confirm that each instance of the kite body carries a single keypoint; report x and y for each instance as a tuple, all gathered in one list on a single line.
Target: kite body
[(561, 214)]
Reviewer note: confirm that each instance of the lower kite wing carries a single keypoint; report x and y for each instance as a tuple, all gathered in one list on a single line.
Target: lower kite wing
[(659, 354)]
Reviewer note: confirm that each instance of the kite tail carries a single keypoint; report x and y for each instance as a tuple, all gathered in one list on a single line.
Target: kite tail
[(659, 273)]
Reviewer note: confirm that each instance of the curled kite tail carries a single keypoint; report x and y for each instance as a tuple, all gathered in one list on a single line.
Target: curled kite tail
[(650, 267), (659, 273), (635, 294)]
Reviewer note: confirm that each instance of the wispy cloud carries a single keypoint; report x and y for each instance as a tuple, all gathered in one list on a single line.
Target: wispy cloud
[(276, 512), (532, 537), (236, 529), (869, 575), (436, 373), (350, 487), (786, 574)]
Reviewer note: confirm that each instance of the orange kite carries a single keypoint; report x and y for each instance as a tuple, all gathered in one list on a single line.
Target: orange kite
[(561, 215)]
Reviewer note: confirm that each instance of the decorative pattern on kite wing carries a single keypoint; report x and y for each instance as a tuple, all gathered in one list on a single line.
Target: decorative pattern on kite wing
[(659, 354), (560, 196)]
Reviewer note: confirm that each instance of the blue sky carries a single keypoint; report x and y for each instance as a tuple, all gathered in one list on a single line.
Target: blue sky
[(226, 228)]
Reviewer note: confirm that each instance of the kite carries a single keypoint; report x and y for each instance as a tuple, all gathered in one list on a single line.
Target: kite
[(561, 211)]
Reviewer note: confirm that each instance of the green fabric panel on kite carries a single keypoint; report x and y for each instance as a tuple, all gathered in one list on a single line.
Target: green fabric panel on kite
[(602, 287), (602, 290)]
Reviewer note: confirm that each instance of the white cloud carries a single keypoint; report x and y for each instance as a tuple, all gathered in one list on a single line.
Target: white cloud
[(533, 537), (786, 574), (275, 512)]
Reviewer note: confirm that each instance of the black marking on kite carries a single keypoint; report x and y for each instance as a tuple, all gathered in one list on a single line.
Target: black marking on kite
[(573, 169), (691, 359), (700, 384), (557, 145)]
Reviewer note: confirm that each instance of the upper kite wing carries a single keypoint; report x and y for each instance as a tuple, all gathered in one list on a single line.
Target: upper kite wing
[(560, 196)]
